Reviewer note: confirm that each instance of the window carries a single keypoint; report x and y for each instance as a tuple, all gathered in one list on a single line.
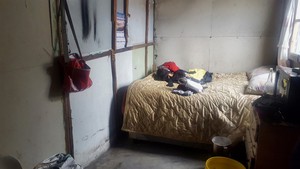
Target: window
[(295, 38)]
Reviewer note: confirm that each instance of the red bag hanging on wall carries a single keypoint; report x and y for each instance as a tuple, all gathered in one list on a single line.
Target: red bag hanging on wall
[(76, 71), (77, 75)]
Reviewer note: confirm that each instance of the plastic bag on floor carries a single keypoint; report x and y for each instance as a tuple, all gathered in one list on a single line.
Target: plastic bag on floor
[(58, 161)]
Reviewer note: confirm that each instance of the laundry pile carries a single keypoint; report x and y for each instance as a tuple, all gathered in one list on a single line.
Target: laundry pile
[(190, 82)]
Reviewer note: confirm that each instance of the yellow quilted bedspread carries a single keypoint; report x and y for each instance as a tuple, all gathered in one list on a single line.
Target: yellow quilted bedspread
[(222, 109)]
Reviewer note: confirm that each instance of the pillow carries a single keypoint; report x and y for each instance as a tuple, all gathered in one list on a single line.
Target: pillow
[(260, 70), (257, 84)]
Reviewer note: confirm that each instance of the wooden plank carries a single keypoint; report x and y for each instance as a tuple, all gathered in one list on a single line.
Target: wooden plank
[(114, 24), (126, 3), (108, 53), (147, 22), (114, 75), (66, 99), (114, 46), (133, 47), (97, 55), (146, 37), (68, 124), (64, 31)]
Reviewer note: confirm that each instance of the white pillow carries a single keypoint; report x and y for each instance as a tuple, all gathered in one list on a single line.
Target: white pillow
[(260, 70), (257, 84)]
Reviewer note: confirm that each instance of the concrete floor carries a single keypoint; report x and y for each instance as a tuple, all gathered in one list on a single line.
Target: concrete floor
[(131, 154)]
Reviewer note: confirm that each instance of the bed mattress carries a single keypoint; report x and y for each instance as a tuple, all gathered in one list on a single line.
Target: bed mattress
[(221, 109)]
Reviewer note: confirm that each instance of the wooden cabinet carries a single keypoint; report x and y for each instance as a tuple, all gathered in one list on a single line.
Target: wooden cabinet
[(270, 143)]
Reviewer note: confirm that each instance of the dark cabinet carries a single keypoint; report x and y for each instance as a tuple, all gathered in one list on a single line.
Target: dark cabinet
[(272, 144)]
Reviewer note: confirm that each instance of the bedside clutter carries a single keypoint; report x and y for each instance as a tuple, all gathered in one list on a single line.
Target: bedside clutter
[(273, 138), (284, 103), (288, 88), (224, 148), (272, 143)]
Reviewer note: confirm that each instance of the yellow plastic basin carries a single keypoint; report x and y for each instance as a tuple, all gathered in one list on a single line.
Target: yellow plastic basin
[(223, 163)]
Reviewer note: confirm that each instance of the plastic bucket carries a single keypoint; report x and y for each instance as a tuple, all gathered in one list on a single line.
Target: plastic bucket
[(223, 163)]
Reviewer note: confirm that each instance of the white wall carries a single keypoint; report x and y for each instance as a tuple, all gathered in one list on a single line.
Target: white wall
[(95, 117), (99, 38), (124, 67), (151, 21), (31, 117), (218, 35), (91, 111), (136, 22)]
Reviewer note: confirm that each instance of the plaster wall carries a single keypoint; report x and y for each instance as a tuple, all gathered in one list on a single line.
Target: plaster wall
[(124, 67), (217, 35), (31, 118), (97, 22), (151, 21), (91, 111), (136, 22), (96, 121)]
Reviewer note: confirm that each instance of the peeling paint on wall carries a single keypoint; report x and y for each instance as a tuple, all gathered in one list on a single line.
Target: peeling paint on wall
[(86, 23), (92, 22), (95, 24)]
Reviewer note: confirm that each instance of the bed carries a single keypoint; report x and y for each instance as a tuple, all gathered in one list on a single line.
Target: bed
[(222, 109)]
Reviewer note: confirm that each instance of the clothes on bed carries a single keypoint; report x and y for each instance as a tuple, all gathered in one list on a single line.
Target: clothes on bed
[(164, 74), (176, 76), (201, 75), (187, 90), (171, 66), (191, 85), (206, 78), (171, 73), (196, 73), (182, 92)]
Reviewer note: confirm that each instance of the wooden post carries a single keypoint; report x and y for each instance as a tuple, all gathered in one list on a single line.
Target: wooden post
[(113, 56), (66, 98), (146, 37), (126, 3)]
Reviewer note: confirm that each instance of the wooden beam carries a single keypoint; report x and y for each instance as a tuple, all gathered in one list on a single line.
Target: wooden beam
[(113, 56), (133, 47), (114, 24), (126, 4), (64, 31), (97, 55), (147, 22), (66, 100), (146, 37), (114, 75), (154, 35), (108, 53), (68, 124)]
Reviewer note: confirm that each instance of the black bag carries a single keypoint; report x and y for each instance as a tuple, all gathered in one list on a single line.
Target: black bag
[(272, 108), (269, 103)]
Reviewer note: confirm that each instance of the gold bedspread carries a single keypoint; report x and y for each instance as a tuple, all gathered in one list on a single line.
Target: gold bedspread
[(222, 109)]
